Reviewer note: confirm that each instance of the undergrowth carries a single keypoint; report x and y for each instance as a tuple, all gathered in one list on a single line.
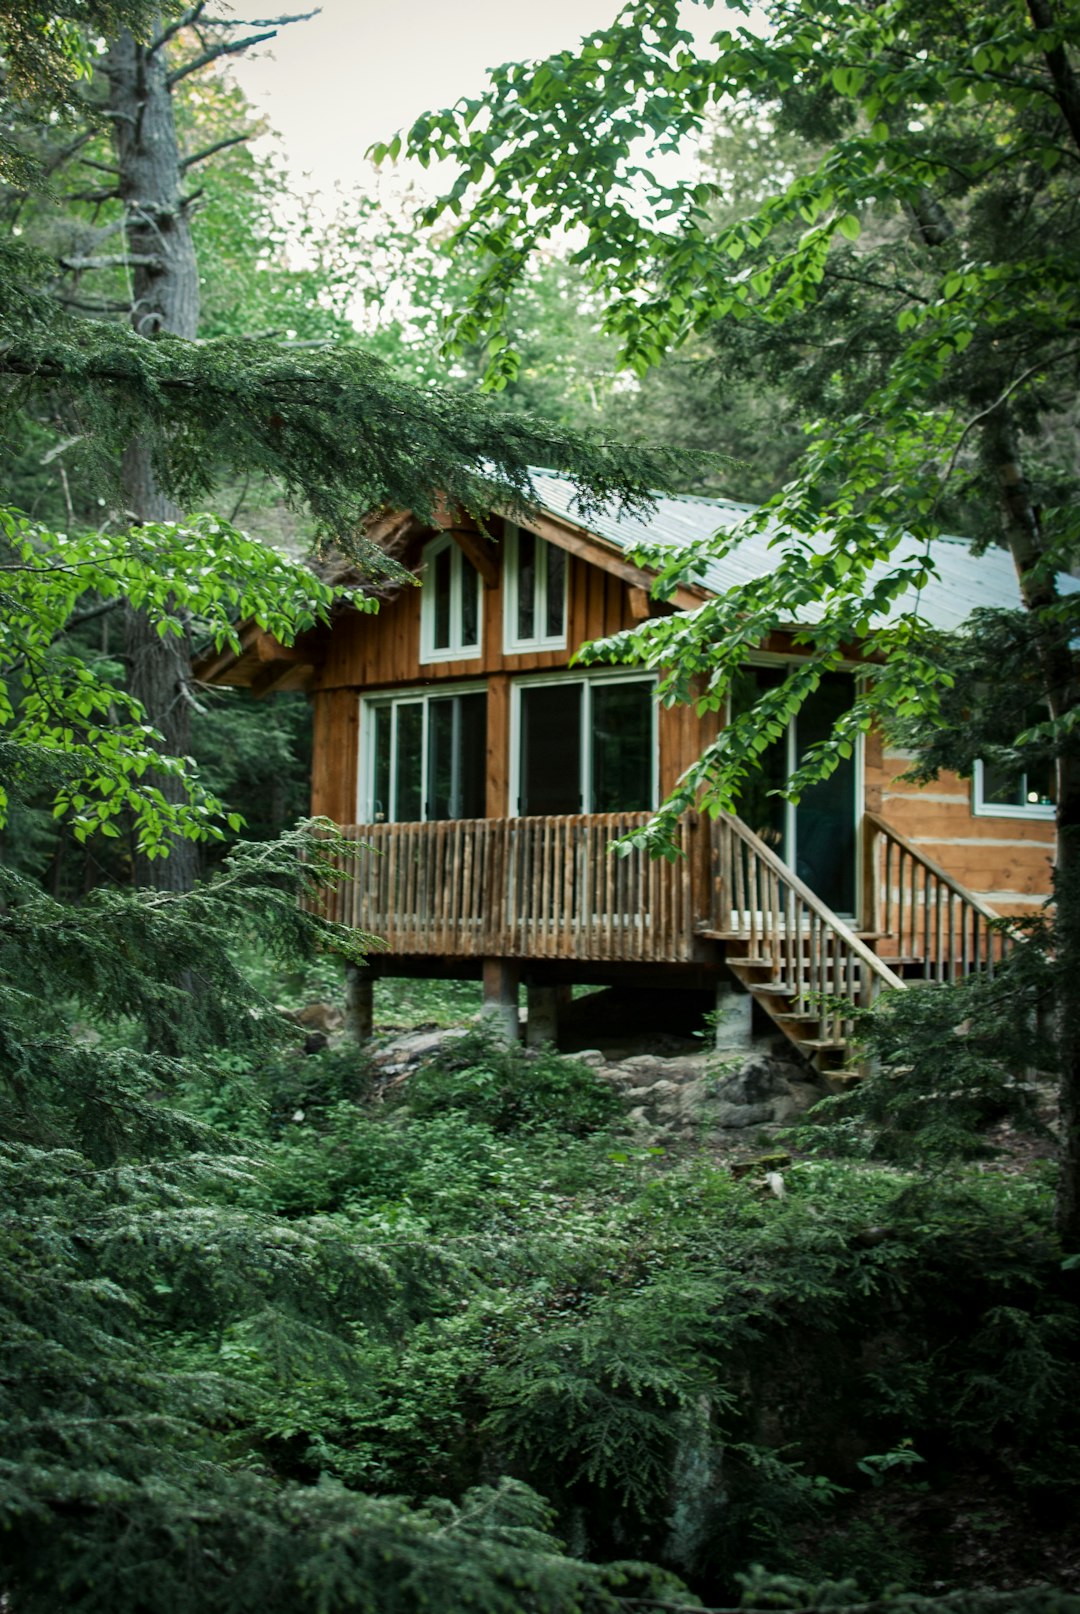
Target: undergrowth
[(685, 1367), (301, 1339)]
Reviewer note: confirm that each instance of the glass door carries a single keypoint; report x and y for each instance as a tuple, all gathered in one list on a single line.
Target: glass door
[(818, 836)]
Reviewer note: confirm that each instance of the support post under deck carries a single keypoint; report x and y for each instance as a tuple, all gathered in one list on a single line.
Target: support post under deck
[(359, 1001), (501, 977), (542, 1022)]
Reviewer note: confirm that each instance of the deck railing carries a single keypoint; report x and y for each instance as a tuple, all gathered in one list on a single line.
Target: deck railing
[(523, 887), (796, 946), (927, 920)]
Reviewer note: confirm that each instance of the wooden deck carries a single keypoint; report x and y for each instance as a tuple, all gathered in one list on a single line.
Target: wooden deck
[(554, 888), (527, 888)]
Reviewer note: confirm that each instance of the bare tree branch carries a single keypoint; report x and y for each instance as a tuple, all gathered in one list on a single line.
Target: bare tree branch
[(93, 305), (226, 48), (104, 168), (112, 195), (93, 611), (209, 151), (260, 22), (185, 20), (113, 260)]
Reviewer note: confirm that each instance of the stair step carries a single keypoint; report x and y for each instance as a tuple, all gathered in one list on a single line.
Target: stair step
[(823, 1044)]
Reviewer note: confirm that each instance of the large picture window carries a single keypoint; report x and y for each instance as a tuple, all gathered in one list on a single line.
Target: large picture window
[(424, 756), (534, 592), (449, 604), (584, 745)]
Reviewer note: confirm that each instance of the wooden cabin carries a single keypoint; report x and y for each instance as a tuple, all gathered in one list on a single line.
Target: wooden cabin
[(490, 779)]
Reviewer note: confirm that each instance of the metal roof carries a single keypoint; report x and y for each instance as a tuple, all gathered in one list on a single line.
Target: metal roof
[(960, 583)]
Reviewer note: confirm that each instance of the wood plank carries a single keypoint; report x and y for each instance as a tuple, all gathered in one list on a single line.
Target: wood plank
[(497, 802)]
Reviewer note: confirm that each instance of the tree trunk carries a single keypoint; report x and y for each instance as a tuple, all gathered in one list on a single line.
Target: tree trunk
[(165, 298), (1058, 678)]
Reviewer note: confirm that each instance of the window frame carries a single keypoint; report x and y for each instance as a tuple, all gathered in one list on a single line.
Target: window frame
[(512, 644), (588, 681), (369, 705), (457, 650), (1037, 811)]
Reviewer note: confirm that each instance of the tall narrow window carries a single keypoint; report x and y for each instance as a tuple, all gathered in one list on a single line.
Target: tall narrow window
[(424, 756), (449, 604), (535, 592)]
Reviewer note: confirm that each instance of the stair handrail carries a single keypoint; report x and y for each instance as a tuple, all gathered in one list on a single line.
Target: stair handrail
[(883, 827), (1010, 934), (866, 955)]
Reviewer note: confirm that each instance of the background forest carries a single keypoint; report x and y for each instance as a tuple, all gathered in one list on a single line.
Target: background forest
[(272, 1337)]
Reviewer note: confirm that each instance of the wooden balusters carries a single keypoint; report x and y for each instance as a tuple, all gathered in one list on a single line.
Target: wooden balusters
[(528, 887), (800, 958), (931, 925)]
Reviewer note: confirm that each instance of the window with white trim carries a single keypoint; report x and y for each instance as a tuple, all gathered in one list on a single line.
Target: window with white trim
[(423, 755), (534, 592), (584, 745), (449, 604), (1013, 793)]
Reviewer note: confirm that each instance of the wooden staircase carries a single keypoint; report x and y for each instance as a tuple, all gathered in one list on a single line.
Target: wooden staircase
[(808, 969)]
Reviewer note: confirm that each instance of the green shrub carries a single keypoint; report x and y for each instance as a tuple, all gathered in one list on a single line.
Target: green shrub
[(510, 1088), (946, 1061)]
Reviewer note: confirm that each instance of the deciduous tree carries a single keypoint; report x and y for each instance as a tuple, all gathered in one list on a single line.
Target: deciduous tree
[(942, 208)]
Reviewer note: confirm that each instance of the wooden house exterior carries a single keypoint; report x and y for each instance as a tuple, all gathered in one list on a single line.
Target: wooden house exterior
[(489, 777)]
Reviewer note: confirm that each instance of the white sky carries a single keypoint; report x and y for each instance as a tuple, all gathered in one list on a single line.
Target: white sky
[(362, 69)]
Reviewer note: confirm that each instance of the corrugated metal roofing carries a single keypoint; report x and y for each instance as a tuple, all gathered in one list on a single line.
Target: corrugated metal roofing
[(963, 582)]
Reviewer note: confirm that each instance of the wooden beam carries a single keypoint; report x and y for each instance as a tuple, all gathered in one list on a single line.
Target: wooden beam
[(269, 649), (480, 551), (390, 527), (272, 674), (638, 600), (598, 553), (447, 516)]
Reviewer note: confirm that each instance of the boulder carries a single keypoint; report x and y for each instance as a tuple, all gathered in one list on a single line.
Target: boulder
[(690, 1094), (403, 1054)]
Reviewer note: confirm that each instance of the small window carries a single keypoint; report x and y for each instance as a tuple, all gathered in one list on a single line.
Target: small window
[(424, 757), (535, 597), (449, 605), (1025, 793)]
